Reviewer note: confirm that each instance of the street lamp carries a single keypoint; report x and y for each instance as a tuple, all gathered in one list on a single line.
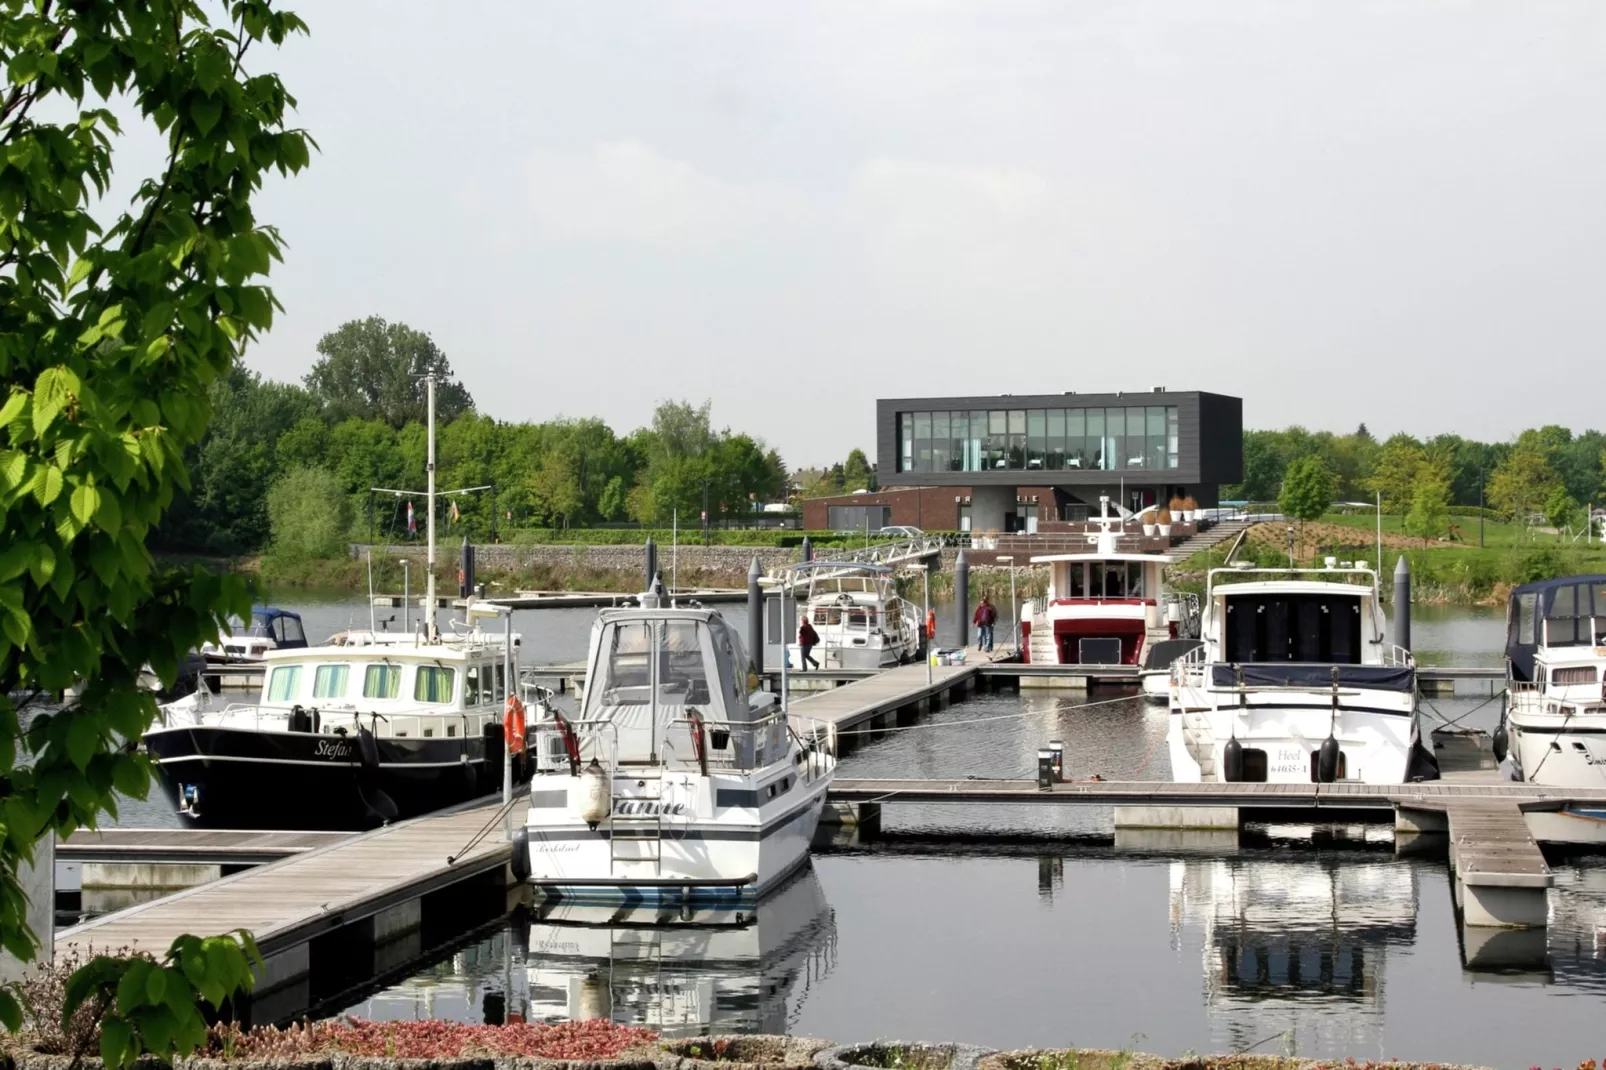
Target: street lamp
[(1014, 614), (925, 583)]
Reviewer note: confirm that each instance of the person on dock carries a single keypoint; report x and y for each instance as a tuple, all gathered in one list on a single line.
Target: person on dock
[(986, 616), (807, 640)]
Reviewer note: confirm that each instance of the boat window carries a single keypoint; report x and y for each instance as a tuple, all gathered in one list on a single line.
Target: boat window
[(284, 684), (381, 681), (857, 617), (1600, 599), (501, 683), (1319, 628), (1114, 578), (1576, 674), (434, 683), (626, 665), (681, 674), (292, 630), (1565, 603), (471, 686), (329, 681), (1134, 579), (1525, 616)]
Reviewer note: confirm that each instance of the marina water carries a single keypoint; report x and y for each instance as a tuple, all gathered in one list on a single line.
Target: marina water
[(1028, 926)]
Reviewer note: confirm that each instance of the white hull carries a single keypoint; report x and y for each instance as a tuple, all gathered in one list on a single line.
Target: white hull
[(1556, 751), (706, 853), (1376, 746), (1156, 684)]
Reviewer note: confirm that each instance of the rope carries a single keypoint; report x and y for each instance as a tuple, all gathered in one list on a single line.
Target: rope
[(485, 829), (1447, 723)]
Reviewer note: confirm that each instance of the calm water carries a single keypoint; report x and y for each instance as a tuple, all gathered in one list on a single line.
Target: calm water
[(1032, 926)]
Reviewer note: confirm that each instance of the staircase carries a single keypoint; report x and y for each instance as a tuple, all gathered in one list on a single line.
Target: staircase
[(1205, 540), (1041, 647), (638, 837), (1200, 738)]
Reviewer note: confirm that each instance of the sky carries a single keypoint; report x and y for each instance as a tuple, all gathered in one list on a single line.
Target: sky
[(1390, 212)]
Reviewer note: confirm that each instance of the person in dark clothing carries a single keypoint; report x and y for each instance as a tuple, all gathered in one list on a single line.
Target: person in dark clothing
[(986, 616), (807, 640)]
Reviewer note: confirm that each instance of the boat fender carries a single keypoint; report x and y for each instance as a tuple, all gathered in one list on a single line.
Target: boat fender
[(520, 862), (1232, 761), (596, 797), (368, 748), (299, 721), (1501, 743), (1327, 761)]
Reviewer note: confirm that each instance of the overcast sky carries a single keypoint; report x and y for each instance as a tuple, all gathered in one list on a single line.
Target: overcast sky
[(1340, 211)]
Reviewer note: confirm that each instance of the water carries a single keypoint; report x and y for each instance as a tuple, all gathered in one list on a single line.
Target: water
[(1046, 932)]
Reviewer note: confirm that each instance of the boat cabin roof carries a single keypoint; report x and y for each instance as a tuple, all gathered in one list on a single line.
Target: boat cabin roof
[(400, 647), (1050, 559), (1264, 587), (1564, 612)]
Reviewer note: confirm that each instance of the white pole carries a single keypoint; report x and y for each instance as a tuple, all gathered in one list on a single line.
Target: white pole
[(931, 640), (786, 641), (1014, 612), (373, 625), (507, 752), (674, 548), (1379, 534), (429, 583), (407, 617)]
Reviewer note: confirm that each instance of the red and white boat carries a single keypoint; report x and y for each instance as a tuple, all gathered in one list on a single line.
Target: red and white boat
[(1107, 606)]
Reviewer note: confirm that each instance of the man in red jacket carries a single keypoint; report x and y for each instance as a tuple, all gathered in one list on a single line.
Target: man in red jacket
[(807, 640), (986, 616)]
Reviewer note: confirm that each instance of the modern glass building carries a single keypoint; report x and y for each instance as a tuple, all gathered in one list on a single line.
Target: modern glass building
[(1139, 448)]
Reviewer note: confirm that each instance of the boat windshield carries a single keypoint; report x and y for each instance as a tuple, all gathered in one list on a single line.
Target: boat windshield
[(1314, 628), (1103, 579)]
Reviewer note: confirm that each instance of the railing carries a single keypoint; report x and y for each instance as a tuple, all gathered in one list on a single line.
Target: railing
[(727, 746)]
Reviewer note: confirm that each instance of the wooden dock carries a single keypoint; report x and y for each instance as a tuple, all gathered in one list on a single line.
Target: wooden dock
[(207, 846), (887, 697), (359, 905)]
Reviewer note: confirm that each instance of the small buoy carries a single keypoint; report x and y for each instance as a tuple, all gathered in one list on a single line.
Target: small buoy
[(1327, 761), (596, 798), (520, 863), (1232, 761), (1501, 742)]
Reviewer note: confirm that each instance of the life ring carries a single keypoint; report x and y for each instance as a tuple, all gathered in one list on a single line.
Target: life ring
[(931, 624), (513, 725)]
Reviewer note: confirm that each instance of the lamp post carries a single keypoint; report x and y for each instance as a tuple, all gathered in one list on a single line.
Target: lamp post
[(925, 612), (1014, 613)]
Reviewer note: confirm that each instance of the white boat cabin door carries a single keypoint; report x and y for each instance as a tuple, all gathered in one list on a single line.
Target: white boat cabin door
[(1103, 579)]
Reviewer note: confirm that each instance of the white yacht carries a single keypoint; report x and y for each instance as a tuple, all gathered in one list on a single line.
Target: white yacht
[(1108, 606), (677, 779), (857, 613), (1296, 682), (1555, 722)]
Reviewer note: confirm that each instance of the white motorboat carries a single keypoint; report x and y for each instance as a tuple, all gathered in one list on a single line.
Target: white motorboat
[(1108, 606), (1296, 682), (244, 643), (1555, 721), (857, 613), (676, 780)]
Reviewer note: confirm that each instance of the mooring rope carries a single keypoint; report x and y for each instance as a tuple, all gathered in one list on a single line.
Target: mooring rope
[(485, 829), (1447, 723)]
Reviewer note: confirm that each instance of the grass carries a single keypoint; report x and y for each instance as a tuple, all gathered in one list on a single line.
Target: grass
[(1463, 530)]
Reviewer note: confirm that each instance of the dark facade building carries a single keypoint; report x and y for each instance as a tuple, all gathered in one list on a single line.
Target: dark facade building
[(1007, 462)]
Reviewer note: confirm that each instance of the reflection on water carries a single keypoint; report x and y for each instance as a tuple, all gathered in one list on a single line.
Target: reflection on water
[(1280, 935), (683, 973)]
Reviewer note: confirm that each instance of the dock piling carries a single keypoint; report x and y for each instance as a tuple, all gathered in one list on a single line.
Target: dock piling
[(755, 617), (652, 563), (1402, 604), (808, 550), (962, 600)]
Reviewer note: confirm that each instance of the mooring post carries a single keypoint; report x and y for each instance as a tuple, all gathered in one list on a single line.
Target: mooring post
[(1402, 604), (962, 599), (652, 563), (808, 550), (755, 617), (465, 570)]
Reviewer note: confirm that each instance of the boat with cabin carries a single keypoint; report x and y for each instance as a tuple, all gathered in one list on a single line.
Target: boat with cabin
[(1296, 682), (678, 779), (1108, 606), (858, 614), (270, 628), (1555, 720)]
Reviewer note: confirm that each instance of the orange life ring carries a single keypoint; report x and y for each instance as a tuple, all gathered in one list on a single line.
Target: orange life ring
[(513, 725), (931, 624)]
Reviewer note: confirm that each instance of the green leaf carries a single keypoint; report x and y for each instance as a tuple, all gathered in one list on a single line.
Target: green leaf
[(156, 986), (47, 484), (206, 111), (109, 514), (14, 560), (85, 500), (116, 1040), (80, 271), (13, 406), (10, 1011), (83, 739)]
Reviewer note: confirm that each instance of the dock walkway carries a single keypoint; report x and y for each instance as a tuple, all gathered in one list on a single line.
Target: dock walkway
[(216, 846), (878, 699)]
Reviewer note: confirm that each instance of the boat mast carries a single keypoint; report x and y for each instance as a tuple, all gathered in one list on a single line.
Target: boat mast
[(429, 494)]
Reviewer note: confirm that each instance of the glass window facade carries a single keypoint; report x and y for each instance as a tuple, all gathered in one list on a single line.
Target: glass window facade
[(1133, 438)]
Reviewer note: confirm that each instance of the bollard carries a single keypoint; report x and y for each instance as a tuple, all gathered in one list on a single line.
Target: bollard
[(755, 617), (1045, 769), (465, 570), (962, 600), (808, 550), (1402, 604), (652, 563), (1057, 749)]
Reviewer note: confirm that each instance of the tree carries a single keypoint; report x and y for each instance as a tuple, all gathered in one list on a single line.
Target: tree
[(1522, 484), (1394, 472), (110, 335), (1430, 499), (857, 473), (373, 370), (1307, 489), (309, 516)]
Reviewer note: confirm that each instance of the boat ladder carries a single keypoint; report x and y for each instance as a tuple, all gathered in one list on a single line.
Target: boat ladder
[(642, 831), (1041, 646)]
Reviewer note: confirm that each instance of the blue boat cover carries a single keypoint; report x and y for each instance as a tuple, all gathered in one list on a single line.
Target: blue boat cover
[(1559, 610), (1315, 677)]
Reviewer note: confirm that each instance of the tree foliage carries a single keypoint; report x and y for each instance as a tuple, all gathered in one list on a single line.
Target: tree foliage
[(1429, 516), (308, 516), (112, 334), (373, 370), (1307, 489), (1524, 482)]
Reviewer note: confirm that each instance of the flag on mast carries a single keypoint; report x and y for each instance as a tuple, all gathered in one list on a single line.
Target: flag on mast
[(456, 515), (412, 521)]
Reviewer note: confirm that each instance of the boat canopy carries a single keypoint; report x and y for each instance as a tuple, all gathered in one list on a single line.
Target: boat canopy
[(1552, 613), (651, 669)]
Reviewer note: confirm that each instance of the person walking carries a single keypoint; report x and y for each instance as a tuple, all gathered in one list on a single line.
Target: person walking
[(807, 640), (986, 616)]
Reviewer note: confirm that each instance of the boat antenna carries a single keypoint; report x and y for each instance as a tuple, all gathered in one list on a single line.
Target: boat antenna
[(429, 494), (373, 625)]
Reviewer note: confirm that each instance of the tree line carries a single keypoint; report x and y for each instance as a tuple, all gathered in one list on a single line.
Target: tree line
[(1547, 472), (357, 422)]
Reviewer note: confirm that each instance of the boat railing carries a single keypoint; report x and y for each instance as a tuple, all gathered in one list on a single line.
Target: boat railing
[(327, 720), (549, 741), (1396, 656)]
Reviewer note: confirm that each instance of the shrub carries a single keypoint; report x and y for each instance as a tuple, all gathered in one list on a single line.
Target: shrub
[(308, 516)]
